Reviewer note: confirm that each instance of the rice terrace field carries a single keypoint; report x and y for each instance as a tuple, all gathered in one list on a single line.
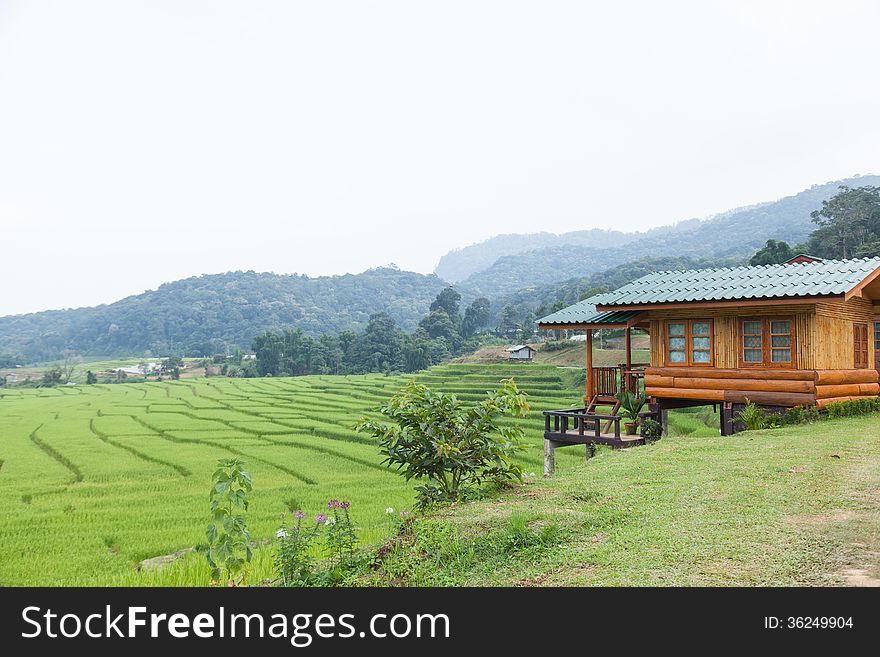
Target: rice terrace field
[(97, 479)]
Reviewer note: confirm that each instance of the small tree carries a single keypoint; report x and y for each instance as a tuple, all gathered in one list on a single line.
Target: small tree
[(91, 377), (229, 542), (68, 366), (454, 447), (171, 366), (53, 376)]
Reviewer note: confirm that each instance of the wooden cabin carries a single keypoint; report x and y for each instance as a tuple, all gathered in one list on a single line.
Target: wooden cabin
[(800, 334)]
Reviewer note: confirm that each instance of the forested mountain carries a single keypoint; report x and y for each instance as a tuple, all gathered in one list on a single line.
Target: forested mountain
[(733, 235), (203, 315)]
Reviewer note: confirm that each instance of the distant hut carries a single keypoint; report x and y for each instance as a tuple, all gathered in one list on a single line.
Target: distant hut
[(520, 353)]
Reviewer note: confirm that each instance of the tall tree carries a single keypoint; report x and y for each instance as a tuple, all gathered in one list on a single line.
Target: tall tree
[(848, 221), (448, 301), (379, 347), (476, 317), (508, 323), (437, 324)]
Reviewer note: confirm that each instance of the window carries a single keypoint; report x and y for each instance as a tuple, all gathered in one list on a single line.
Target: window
[(767, 342), (860, 345), (877, 345), (689, 342)]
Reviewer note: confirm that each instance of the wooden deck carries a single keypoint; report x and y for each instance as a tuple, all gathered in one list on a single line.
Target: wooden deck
[(572, 437), (584, 426)]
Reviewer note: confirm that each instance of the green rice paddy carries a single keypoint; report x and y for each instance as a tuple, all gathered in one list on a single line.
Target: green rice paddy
[(97, 479)]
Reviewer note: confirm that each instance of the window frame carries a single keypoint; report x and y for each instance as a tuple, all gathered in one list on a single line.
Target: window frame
[(767, 342), (875, 325), (688, 342), (858, 364)]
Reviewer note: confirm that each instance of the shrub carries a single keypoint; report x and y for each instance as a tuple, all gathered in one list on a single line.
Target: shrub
[(631, 404), (229, 542), (454, 447), (651, 429), (854, 407), (556, 345), (754, 417), (797, 415)]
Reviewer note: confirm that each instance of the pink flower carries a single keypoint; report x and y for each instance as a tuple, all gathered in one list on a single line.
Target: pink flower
[(344, 505), (299, 515), (320, 518)]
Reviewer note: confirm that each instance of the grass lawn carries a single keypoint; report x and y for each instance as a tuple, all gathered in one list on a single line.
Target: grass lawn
[(794, 506)]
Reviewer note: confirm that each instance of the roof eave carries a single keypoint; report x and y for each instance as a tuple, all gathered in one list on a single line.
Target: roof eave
[(858, 290), (725, 302), (582, 326)]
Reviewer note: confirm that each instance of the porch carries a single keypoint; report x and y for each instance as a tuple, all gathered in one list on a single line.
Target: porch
[(598, 422)]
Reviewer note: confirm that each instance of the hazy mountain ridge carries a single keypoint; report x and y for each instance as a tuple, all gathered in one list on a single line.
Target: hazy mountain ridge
[(461, 263), (733, 234)]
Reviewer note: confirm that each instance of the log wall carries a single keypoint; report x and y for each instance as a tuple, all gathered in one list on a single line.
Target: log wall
[(761, 386)]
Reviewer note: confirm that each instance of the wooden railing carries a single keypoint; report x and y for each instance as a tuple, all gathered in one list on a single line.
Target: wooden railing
[(577, 419), (584, 421), (607, 380)]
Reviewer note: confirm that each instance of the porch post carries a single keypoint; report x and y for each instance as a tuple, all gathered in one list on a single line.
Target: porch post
[(549, 457), (589, 363), (628, 348)]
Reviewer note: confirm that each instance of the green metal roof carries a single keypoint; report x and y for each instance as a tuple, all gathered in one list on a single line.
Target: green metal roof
[(829, 277), (584, 312)]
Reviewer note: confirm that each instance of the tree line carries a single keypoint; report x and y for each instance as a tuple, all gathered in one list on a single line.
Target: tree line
[(382, 346)]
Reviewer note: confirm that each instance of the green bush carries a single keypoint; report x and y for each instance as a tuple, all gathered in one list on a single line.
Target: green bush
[(631, 404), (456, 448), (556, 345), (651, 429), (854, 407), (798, 415), (753, 416)]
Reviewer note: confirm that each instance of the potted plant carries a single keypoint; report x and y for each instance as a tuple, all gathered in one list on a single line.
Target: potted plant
[(631, 405)]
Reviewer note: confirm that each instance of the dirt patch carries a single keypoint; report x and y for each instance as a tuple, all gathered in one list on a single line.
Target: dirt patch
[(858, 577), (575, 575), (837, 515)]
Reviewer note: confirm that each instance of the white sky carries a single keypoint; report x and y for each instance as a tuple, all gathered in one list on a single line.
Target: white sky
[(142, 142)]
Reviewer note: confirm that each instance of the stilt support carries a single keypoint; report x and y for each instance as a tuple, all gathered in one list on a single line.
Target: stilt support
[(550, 456)]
